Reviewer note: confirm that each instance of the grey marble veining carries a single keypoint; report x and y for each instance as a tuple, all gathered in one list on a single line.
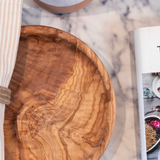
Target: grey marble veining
[(107, 27)]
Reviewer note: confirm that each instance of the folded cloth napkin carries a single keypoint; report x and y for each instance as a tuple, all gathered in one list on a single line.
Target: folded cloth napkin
[(10, 26)]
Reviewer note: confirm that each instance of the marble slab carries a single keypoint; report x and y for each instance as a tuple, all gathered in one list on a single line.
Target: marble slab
[(107, 26)]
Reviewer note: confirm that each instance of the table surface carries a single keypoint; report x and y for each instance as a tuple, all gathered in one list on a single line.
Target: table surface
[(107, 27)]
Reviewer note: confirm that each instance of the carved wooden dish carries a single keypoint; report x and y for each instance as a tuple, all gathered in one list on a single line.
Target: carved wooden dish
[(63, 104)]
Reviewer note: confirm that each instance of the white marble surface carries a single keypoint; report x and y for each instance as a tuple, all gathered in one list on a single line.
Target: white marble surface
[(106, 26)]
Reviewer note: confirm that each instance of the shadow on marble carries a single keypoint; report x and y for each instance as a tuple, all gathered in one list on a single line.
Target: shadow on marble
[(135, 94), (31, 9), (120, 112)]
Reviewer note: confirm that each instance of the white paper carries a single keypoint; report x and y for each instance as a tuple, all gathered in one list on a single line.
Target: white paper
[(147, 54)]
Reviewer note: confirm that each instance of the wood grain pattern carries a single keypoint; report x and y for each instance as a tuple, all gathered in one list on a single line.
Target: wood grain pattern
[(63, 104)]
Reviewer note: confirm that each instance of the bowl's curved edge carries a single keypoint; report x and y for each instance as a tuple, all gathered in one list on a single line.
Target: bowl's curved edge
[(67, 9), (44, 30)]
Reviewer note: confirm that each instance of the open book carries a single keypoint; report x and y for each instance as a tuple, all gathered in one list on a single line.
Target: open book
[(147, 50)]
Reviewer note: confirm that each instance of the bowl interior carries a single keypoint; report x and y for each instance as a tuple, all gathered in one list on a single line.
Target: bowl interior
[(152, 130)]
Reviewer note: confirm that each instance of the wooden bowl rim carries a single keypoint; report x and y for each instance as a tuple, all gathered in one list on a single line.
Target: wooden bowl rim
[(37, 30)]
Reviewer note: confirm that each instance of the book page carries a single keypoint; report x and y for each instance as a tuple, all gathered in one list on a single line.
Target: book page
[(147, 48)]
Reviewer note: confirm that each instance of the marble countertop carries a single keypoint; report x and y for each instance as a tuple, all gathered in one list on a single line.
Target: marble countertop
[(107, 27)]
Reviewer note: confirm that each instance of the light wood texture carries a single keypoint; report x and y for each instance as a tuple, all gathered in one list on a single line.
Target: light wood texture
[(10, 26), (63, 104)]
